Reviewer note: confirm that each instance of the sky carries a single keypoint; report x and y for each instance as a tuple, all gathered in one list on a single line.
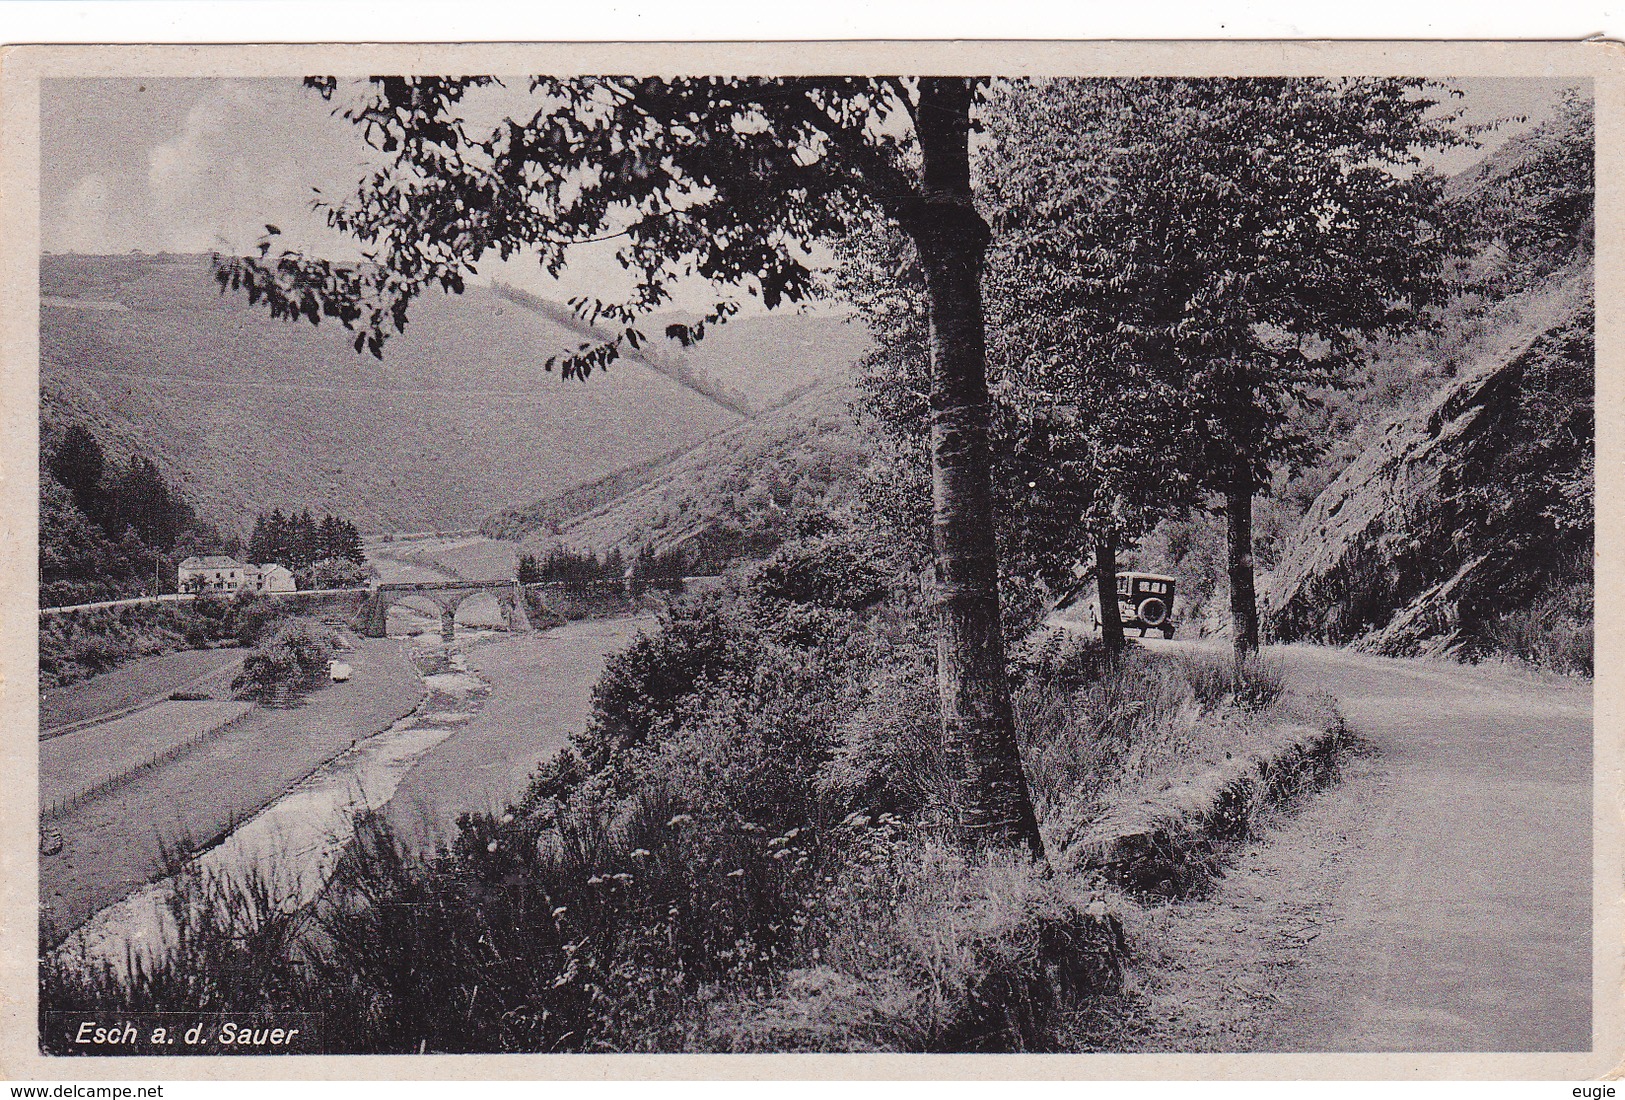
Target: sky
[(182, 165)]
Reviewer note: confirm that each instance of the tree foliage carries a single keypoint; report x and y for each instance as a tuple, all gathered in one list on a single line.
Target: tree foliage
[(1229, 244), (1531, 208), (1242, 235), (109, 530), (726, 179), (292, 660), (299, 541)]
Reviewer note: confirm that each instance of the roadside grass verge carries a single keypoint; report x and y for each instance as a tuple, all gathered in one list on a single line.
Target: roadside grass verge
[(1554, 633), (1142, 771)]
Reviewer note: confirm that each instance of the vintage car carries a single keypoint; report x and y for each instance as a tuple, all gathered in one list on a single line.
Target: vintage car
[(1144, 600)]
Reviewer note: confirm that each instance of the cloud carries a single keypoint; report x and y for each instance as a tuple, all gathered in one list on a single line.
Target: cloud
[(202, 181), (80, 223)]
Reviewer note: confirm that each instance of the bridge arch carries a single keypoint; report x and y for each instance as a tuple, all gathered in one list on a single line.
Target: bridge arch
[(445, 597)]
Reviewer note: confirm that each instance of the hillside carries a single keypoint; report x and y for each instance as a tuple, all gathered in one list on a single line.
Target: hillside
[(1473, 421), (767, 359), (748, 364), (245, 413), (1475, 505), (734, 494)]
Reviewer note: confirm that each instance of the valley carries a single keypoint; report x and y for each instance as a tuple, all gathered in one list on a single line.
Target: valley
[(779, 691)]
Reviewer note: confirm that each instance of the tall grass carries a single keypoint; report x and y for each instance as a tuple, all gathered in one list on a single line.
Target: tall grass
[(1093, 730), (1555, 633), (648, 931)]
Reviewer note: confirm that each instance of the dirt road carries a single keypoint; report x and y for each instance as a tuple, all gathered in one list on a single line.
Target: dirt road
[(1439, 899)]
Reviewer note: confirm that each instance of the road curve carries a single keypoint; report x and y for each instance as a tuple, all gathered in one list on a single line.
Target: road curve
[(1463, 904)]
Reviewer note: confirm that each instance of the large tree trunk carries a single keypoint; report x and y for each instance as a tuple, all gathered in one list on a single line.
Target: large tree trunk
[(978, 729), (1243, 598), (1111, 620)]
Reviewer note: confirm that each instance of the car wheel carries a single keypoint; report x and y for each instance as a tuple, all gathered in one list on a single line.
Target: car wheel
[(1153, 611)]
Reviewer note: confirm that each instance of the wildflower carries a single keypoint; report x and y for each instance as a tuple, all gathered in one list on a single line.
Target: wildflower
[(561, 910), (738, 872), (623, 878), (680, 819), (491, 847), (595, 880), (507, 819), (640, 853)]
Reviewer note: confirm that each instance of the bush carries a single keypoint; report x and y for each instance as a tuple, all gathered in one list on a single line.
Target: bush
[(293, 659), (736, 699), (1554, 633), (81, 644)]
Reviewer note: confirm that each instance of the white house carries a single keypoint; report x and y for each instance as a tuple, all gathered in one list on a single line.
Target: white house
[(217, 574)]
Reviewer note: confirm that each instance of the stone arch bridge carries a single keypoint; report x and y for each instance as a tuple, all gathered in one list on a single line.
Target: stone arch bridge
[(448, 596)]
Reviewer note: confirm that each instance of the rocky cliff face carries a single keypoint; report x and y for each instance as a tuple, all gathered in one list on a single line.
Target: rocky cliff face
[(1470, 507)]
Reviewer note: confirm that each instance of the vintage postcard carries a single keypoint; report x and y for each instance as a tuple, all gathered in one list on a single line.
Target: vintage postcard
[(1023, 559)]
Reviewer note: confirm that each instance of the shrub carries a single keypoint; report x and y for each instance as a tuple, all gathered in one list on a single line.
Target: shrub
[(293, 659), (1214, 681), (80, 644), (1553, 633)]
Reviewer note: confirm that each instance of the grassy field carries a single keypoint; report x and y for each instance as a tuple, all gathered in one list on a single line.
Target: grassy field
[(115, 844), (99, 755), (469, 557), (541, 688), (140, 681)]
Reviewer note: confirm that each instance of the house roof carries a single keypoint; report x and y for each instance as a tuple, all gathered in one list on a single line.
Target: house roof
[(211, 561)]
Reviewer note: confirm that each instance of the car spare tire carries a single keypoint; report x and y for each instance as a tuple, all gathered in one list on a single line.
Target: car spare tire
[(1153, 611)]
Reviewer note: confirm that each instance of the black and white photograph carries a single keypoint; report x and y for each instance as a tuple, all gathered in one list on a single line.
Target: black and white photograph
[(595, 558)]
